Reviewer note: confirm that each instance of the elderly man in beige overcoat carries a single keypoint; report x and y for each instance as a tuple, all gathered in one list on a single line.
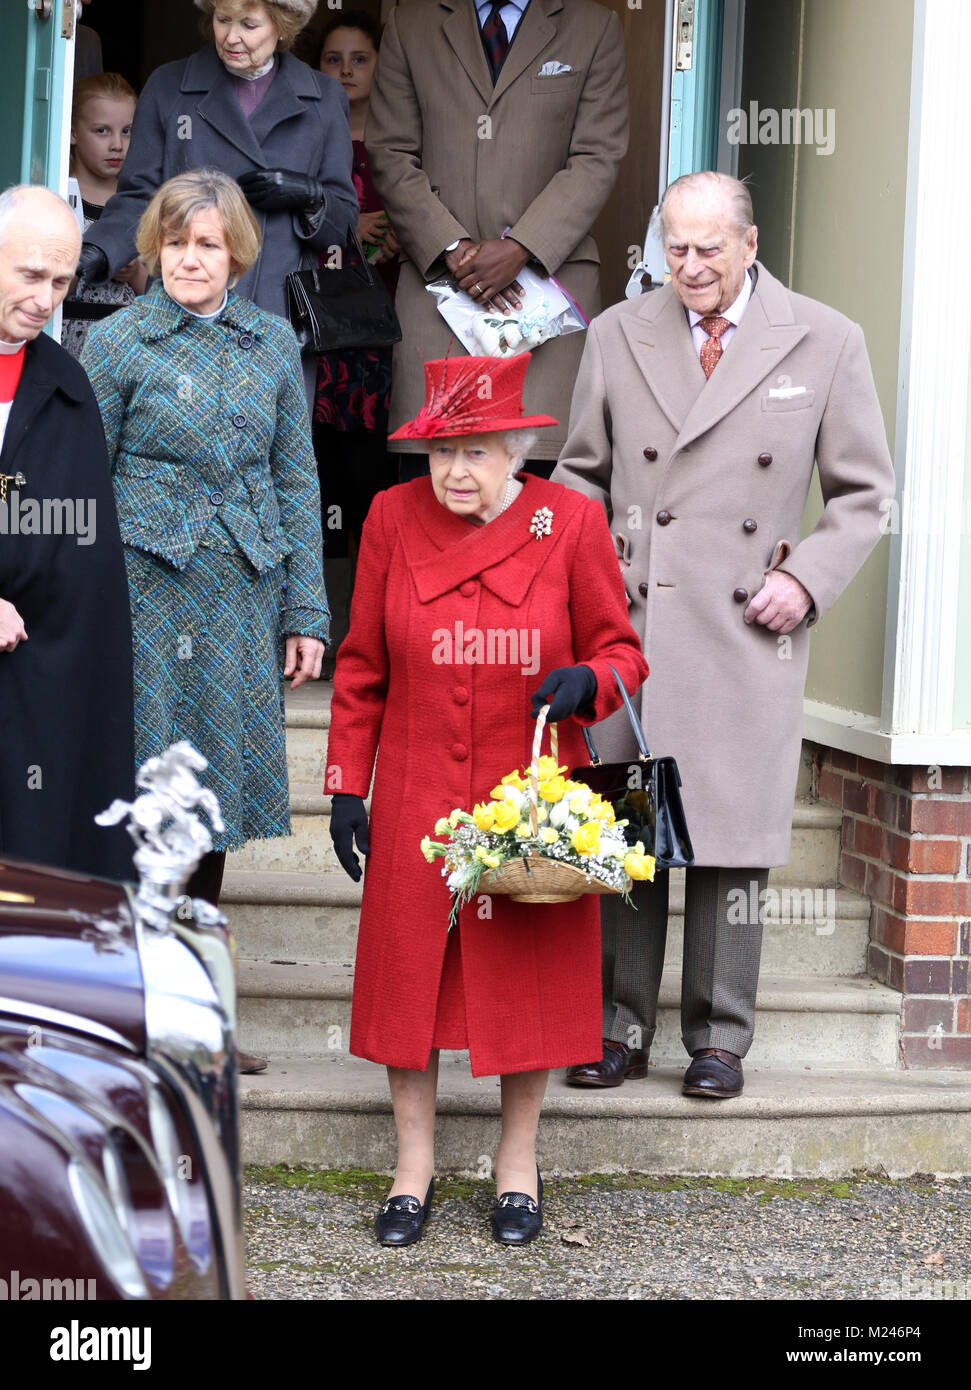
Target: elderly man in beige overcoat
[(699, 412), (468, 135)]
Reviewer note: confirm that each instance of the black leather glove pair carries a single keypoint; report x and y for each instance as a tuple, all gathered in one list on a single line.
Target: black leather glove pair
[(92, 265), (282, 190), (566, 690), (348, 819)]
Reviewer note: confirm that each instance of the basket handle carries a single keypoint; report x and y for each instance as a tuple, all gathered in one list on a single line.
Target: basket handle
[(534, 765)]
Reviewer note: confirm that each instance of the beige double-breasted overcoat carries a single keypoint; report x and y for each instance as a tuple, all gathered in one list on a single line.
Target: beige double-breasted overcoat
[(705, 483), (453, 156)]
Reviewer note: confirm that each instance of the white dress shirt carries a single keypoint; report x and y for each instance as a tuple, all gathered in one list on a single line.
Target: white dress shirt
[(733, 313), (510, 14)]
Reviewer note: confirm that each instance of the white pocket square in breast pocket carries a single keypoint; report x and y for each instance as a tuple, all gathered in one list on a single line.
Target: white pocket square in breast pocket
[(553, 69), (786, 393)]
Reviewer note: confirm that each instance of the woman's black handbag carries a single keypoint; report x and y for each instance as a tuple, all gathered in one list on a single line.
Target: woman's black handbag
[(646, 794), (344, 307)]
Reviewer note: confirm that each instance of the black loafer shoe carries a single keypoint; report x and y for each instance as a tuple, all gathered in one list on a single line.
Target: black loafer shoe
[(714, 1073), (401, 1220), (618, 1064), (517, 1219)]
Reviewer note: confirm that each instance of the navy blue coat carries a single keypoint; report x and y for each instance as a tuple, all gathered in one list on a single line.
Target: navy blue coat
[(189, 117)]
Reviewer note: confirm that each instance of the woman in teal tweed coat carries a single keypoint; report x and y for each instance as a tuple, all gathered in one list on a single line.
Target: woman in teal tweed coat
[(205, 416)]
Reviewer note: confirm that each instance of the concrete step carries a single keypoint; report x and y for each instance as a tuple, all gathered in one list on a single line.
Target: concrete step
[(335, 1112), (313, 917), (826, 1021), (307, 722), (813, 862)]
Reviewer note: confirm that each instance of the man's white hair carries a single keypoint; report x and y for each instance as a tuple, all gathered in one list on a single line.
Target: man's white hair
[(12, 201), (708, 180)]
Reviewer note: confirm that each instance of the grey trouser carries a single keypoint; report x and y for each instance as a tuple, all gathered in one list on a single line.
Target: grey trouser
[(720, 974)]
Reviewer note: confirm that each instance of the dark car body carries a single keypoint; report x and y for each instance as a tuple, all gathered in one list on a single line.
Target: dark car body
[(119, 1152)]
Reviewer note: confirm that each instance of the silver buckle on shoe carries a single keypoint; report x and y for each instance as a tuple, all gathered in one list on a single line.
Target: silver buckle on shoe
[(519, 1199)]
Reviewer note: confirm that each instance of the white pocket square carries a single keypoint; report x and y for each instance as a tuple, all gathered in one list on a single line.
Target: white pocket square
[(785, 393), (553, 69)]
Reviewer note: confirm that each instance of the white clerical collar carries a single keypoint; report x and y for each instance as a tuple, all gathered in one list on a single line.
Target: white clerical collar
[(215, 313), (251, 76), (10, 349), (735, 310)]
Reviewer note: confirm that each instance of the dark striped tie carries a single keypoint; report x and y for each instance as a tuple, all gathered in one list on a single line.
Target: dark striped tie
[(495, 38)]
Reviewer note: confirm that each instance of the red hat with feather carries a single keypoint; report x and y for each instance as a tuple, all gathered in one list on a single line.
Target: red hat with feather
[(472, 395)]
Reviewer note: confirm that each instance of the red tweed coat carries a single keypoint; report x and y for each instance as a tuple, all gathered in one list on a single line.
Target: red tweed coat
[(522, 987)]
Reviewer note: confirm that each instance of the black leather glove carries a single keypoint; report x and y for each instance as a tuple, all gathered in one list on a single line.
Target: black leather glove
[(348, 821), (565, 690), (92, 265), (276, 190)]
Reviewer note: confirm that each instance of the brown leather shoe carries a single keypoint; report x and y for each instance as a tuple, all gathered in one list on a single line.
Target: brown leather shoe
[(714, 1073), (618, 1064), (247, 1063)]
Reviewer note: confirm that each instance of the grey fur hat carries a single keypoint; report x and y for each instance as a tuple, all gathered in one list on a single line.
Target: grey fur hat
[(301, 9)]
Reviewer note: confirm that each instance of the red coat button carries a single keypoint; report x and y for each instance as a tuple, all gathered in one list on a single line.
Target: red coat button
[(459, 752), (468, 589), (460, 695), (663, 518), (650, 453), (740, 595)]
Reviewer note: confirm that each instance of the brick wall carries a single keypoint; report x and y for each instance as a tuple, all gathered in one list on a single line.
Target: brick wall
[(906, 844)]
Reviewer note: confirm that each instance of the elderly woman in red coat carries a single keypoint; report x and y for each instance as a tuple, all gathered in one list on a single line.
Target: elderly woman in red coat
[(444, 562)]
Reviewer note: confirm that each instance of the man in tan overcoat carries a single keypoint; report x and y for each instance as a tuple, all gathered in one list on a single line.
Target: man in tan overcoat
[(699, 412), (469, 134)]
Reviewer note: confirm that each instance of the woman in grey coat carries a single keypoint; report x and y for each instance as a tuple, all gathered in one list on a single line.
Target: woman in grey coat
[(246, 106)]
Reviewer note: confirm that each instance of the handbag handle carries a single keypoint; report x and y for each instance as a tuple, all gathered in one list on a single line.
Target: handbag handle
[(534, 765), (635, 724)]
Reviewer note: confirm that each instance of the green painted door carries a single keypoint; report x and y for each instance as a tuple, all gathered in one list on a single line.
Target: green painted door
[(36, 61), (695, 86)]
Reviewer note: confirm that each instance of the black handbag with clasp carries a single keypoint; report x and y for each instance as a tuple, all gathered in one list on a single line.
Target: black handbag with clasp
[(646, 794), (346, 306)]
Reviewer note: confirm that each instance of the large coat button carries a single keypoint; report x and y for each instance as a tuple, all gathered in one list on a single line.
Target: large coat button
[(650, 453), (740, 595), (216, 498), (460, 695), (468, 589), (749, 525), (764, 460), (663, 518), (246, 341), (643, 588), (239, 421), (459, 752)]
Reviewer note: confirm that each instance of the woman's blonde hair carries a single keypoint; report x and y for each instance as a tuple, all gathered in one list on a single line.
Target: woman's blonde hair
[(176, 204), (288, 25)]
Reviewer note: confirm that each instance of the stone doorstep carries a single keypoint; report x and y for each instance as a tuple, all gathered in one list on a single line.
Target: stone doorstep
[(336, 1112), (813, 862), (837, 1021), (307, 917)]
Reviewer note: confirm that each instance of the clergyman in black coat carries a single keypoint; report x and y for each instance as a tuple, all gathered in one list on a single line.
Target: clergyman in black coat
[(66, 724)]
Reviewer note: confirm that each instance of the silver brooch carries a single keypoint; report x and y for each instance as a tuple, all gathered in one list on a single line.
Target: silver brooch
[(542, 523)]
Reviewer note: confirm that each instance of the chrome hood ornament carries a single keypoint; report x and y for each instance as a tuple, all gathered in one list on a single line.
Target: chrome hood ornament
[(170, 837)]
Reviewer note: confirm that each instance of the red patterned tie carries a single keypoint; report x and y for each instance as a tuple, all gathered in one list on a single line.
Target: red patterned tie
[(495, 38), (711, 348)]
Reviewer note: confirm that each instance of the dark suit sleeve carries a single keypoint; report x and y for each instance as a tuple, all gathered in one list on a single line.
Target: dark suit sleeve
[(563, 213)]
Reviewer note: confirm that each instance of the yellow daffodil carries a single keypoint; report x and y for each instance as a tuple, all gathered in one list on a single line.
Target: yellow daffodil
[(586, 840), (484, 816), (548, 768), (513, 779), (639, 866), (601, 810), (552, 789), (548, 835), (506, 816)]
